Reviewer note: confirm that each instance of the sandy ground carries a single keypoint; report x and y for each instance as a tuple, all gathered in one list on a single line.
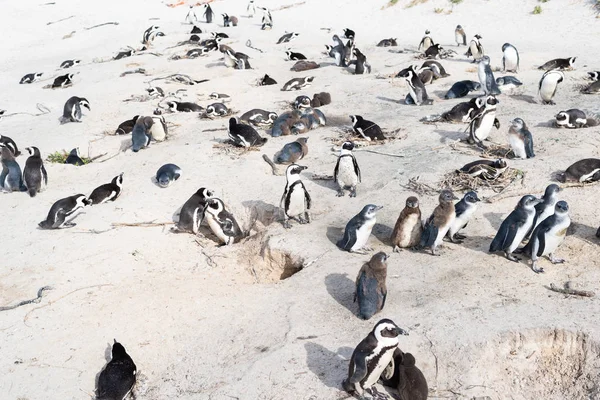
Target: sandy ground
[(203, 322)]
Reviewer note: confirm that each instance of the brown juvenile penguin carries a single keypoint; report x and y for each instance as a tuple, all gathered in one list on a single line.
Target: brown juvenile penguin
[(409, 227), (320, 99), (292, 152), (404, 375), (370, 286), (439, 222)]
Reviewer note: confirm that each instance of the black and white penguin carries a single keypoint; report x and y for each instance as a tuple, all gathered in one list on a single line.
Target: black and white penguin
[(508, 82), (571, 119), (183, 106), (417, 92), (549, 234), (217, 110), (239, 59), (34, 174), (244, 135), (191, 17), (69, 63), (107, 192), (295, 201), (482, 121), (520, 139), (266, 81), (548, 85), (371, 290), (361, 64), (485, 169), (426, 42), (346, 173), (11, 178), (366, 129), (594, 75), (464, 211), (338, 51), (63, 81), (486, 77), (140, 136), (586, 170), (475, 49), (30, 78), (124, 54), (292, 152), (559, 63), (74, 158), (460, 36), (149, 34), (72, 109), (221, 97), (515, 227), (349, 33), (251, 8), (62, 209), (433, 51), (298, 83), (159, 130), (221, 222), (258, 117), (439, 223), (10, 144), (438, 69), (546, 208), (406, 377), (155, 91), (208, 13), (195, 30), (460, 113), (116, 380), (288, 37), (510, 58), (301, 102), (293, 56), (358, 230), (391, 42), (461, 89), (592, 88), (167, 174), (192, 212), (229, 20), (371, 357), (267, 19), (199, 52)]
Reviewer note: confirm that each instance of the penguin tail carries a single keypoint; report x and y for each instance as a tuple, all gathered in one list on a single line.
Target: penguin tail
[(32, 192), (262, 141)]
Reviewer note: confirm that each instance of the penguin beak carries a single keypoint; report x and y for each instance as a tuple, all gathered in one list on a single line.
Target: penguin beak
[(302, 168), (399, 331), (377, 208), (454, 197)]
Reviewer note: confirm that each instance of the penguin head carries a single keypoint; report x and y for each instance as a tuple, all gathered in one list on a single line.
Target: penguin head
[(528, 202), (379, 259), (485, 60), (412, 202), (302, 102), (82, 201), (505, 46), (349, 146), (213, 95), (39, 74), (491, 100), (214, 206), (518, 124), (562, 118), (458, 27), (294, 34), (84, 103), (293, 171), (572, 61), (499, 163), (499, 81), (477, 36), (74, 152), (370, 211), (118, 180), (172, 105), (427, 32), (210, 110), (232, 122), (561, 207), (70, 76), (33, 151), (147, 122), (355, 119), (593, 75), (289, 54), (446, 196), (309, 79), (471, 197), (551, 190), (205, 193), (273, 116), (118, 351), (408, 360), (225, 16), (387, 329)]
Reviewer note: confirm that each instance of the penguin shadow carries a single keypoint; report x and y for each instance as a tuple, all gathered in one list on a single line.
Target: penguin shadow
[(441, 94), (494, 218), (451, 136), (525, 97), (214, 64), (107, 358), (175, 216), (327, 183), (334, 234), (382, 233), (548, 124), (125, 145), (260, 214), (582, 231), (341, 289), (329, 366), (391, 100)]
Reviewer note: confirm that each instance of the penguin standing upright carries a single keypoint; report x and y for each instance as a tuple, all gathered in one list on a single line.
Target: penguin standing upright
[(34, 174), (460, 36), (370, 358), (118, 376), (346, 173), (548, 85), (251, 8), (222, 222), (486, 77), (192, 212), (208, 13), (295, 201), (520, 139), (267, 19), (107, 192), (475, 49), (358, 230), (371, 290), (515, 227), (158, 131), (510, 58), (546, 208), (338, 51), (482, 121), (464, 211), (63, 208), (72, 109), (191, 17), (11, 178), (409, 227), (426, 42), (361, 64), (140, 136), (417, 93), (440, 221)]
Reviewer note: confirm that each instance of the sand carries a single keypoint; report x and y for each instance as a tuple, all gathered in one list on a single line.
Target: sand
[(203, 322)]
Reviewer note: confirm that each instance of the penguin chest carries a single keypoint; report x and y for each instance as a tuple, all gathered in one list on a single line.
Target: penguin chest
[(485, 126), (458, 37), (443, 229), (481, 73), (511, 59), (521, 232), (546, 212), (555, 236), (548, 88), (363, 233), (517, 145), (462, 220), (295, 201), (215, 226), (409, 232), (346, 176), (474, 50), (376, 363)]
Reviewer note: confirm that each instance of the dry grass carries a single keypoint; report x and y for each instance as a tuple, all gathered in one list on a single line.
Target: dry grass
[(347, 134), (413, 3), (460, 181), (60, 157)]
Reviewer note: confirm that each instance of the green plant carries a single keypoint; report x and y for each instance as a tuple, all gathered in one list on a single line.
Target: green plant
[(455, 1), (543, 1), (537, 10), (438, 10), (60, 157), (392, 2)]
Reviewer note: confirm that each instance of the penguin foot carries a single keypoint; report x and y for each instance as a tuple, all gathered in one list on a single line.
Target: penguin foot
[(512, 257), (536, 269), (397, 249), (286, 224), (459, 236), (340, 193), (377, 395), (69, 224)]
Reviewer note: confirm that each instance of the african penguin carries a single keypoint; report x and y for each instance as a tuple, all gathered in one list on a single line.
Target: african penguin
[(217, 110), (267, 19), (349, 33), (116, 380), (586, 170), (74, 158), (258, 117), (346, 173), (267, 80), (371, 290), (464, 211), (295, 201), (158, 131), (475, 49), (361, 64), (510, 58), (508, 82), (485, 169), (292, 152), (572, 119), (409, 227), (426, 42), (192, 212), (69, 63), (391, 42), (358, 230), (461, 89), (191, 17), (520, 139), (548, 85), (406, 377), (222, 97), (417, 92), (292, 56), (140, 136), (244, 135), (63, 81), (298, 83), (486, 77), (177, 106), (459, 36), (559, 63), (10, 144), (11, 178), (437, 225), (482, 122), (63, 208), (288, 37), (222, 222), (167, 174), (546, 208), (208, 13), (107, 192), (34, 174), (30, 78), (72, 109), (366, 129)]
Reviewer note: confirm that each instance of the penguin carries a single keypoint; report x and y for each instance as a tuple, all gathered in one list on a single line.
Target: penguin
[(391, 42), (222, 222), (177, 106), (592, 88), (404, 376), (288, 37), (195, 30), (158, 131), (30, 78), (486, 77), (239, 59), (267, 19), (464, 211), (371, 290), (475, 48), (548, 85), (549, 234), (283, 123), (508, 82), (426, 42), (192, 211), (107, 192), (408, 229), (155, 91), (338, 51), (358, 230), (586, 170), (63, 208), (520, 139), (482, 122), (217, 110), (346, 173), (438, 69), (72, 109), (229, 20), (148, 34), (292, 152), (10, 144), (417, 92), (167, 174), (11, 178), (460, 36), (510, 58), (116, 380), (461, 89), (485, 169), (366, 129), (69, 63), (193, 53), (437, 225), (515, 227), (370, 358), (349, 33), (74, 158), (594, 75), (34, 174), (298, 83), (140, 136), (301, 102), (244, 135), (123, 54), (546, 207), (559, 63), (126, 127), (208, 13), (572, 119), (460, 113), (320, 99), (433, 51), (191, 17), (251, 8), (361, 64), (258, 117), (292, 56), (267, 80), (295, 201), (63, 81), (314, 117)]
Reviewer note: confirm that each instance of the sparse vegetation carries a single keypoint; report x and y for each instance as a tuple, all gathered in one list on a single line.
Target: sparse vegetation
[(59, 157), (438, 10), (537, 10), (455, 2), (392, 2), (415, 2), (543, 1)]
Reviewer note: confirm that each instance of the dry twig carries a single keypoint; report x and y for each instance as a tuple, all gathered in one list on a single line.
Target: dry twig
[(40, 293), (99, 25), (570, 291)]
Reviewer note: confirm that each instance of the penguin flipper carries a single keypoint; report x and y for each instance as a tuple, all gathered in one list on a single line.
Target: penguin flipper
[(347, 240), (501, 238), (44, 174), (460, 208), (360, 367), (529, 145), (336, 169), (307, 200), (430, 232), (356, 168)]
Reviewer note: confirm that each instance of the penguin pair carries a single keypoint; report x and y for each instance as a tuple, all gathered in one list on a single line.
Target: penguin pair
[(117, 378), (243, 135), (296, 201), (11, 177), (358, 230), (35, 176), (63, 209), (237, 59), (229, 20), (72, 109), (439, 223), (366, 129), (520, 139), (192, 212)]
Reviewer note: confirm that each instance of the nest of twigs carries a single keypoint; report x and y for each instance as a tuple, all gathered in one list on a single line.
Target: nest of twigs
[(229, 113), (460, 181), (491, 151), (346, 134), (228, 148)]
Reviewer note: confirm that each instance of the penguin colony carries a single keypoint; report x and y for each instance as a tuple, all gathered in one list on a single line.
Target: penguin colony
[(542, 222)]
